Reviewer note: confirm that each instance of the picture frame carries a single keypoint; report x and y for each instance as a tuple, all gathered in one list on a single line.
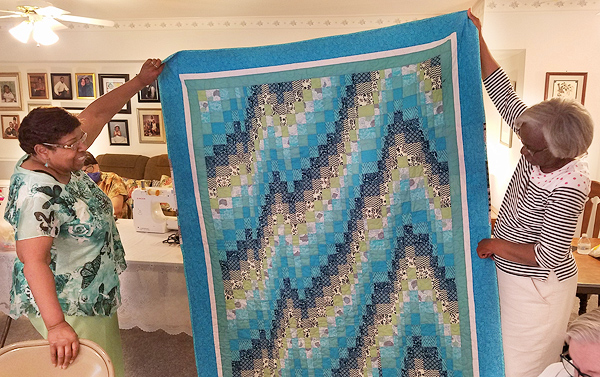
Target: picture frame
[(74, 110), (34, 105), (118, 132), (150, 93), (567, 85), (10, 89), (506, 132), (86, 85), (38, 85), (62, 87), (10, 126), (109, 82), (151, 126)]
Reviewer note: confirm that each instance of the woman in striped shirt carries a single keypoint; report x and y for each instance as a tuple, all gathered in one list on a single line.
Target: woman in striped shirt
[(537, 275)]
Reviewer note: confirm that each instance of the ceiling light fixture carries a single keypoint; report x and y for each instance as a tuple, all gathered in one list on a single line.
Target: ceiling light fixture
[(41, 30), (42, 22), (22, 31)]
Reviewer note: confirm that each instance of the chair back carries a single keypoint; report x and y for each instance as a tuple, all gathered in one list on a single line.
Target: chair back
[(32, 358), (590, 221)]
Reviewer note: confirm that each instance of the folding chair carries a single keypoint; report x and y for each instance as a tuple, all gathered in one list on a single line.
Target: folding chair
[(31, 358)]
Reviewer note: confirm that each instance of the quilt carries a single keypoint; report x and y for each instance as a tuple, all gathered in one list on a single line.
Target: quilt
[(331, 194)]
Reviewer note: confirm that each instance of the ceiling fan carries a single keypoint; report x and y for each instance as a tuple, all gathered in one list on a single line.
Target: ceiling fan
[(41, 22)]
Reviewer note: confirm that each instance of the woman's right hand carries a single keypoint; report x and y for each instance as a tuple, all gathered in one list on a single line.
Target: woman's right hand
[(64, 344)]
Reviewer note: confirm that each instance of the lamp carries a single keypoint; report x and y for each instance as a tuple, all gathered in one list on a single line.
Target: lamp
[(42, 31), (22, 31)]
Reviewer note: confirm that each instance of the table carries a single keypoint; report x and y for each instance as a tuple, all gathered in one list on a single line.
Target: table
[(153, 290), (588, 280)]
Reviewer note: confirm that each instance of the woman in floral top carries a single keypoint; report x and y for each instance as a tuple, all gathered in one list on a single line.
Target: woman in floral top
[(69, 253)]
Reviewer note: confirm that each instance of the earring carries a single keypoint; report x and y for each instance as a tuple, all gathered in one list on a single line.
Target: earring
[(46, 164)]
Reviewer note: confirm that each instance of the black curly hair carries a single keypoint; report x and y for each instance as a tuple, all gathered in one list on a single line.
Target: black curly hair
[(45, 125)]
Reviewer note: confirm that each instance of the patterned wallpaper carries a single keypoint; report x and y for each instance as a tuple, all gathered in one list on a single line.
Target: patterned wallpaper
[(542, 5), (327, 21)]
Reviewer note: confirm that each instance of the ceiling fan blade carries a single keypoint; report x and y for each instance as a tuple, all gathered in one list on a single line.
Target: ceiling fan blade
[(54, 25), (85, 20), (16, 14), (12, 15), (51, 11)]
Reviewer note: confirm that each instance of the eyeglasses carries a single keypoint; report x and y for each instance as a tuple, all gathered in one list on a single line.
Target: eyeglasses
[(75, 145), (532, 153), (569, 367)]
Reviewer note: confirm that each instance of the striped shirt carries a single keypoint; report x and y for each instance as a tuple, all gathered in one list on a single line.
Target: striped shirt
[(538, 208)]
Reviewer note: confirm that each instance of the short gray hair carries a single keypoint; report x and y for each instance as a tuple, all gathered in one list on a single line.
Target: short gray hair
[(585, 328), (567, 126)]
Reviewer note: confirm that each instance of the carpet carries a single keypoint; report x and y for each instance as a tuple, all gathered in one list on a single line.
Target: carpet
[(145, 354), (331, 194)]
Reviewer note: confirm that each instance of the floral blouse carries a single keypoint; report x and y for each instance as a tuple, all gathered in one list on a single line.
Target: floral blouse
[(86, 255)]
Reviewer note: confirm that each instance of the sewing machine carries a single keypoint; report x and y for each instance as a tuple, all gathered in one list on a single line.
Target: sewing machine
[(147, 213)]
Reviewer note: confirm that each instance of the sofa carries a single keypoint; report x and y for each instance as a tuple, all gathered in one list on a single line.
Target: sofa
[(135, 166), (137, 171)]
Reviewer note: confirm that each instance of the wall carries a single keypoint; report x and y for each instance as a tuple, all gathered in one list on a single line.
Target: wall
[(10, 151), (552, 41), (136, 40), (528, 43), (503, 158)]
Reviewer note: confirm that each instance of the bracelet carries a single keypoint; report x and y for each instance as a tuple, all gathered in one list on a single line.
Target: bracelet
[(55, 326)]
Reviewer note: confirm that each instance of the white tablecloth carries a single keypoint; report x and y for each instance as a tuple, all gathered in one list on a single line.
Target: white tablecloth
[(153, 287)]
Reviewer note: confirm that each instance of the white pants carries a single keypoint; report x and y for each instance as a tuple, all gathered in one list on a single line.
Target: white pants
[(534, 315)]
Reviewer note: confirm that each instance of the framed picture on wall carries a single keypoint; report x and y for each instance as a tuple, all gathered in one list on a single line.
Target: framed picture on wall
[(566, 84), (118, 132), (149, 93), (38, 87), (151, 126), (61, 86), (86, 85), (110, 82), (10, 126), (74, 110), (506, 133), (10, 86), (32, 105)]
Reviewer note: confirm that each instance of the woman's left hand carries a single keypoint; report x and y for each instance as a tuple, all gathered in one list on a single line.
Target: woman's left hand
[(516, 252), (150, 71)]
